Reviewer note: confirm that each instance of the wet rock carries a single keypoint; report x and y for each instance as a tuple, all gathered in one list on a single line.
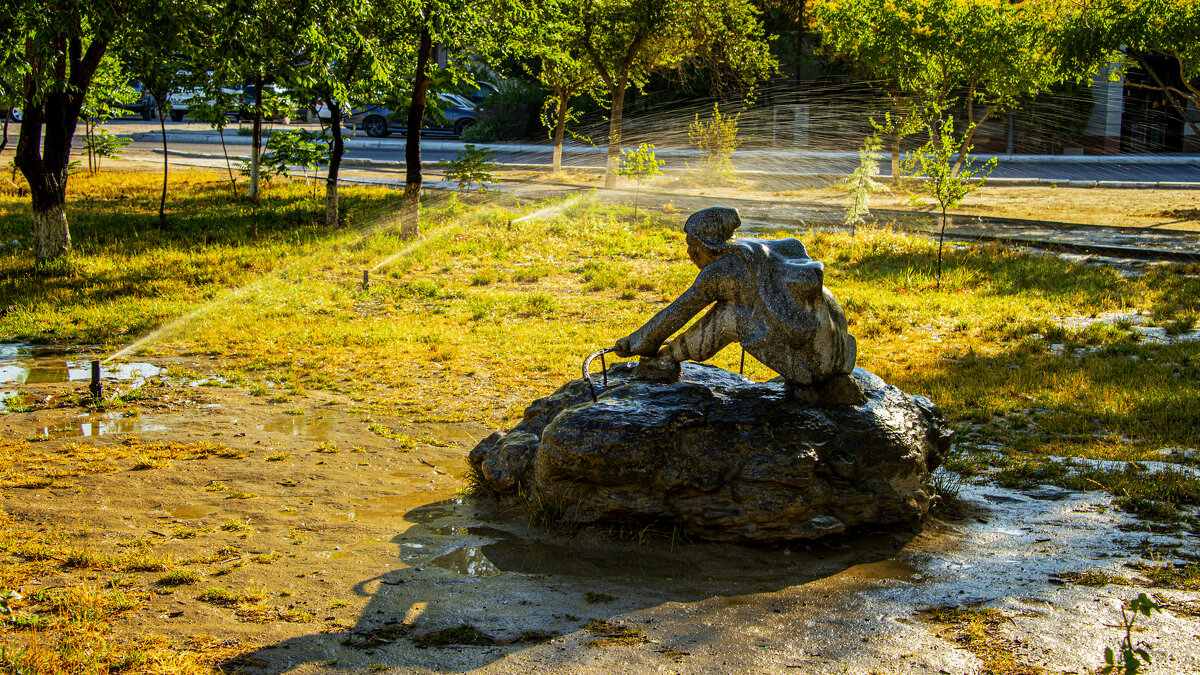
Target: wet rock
[(727, 458), (1048, 493)]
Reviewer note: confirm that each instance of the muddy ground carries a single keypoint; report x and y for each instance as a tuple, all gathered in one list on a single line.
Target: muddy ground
[(365, 547)]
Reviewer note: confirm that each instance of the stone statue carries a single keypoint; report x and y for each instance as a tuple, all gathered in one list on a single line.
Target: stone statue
[(823, 449), (769, 296)]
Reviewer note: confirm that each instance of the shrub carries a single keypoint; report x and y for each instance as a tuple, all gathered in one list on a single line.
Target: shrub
[(862, 181), (471, 166), (717, 138)]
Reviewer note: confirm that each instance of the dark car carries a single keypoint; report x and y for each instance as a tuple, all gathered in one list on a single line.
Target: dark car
[(479, 92), (144, 106), (458, 115)]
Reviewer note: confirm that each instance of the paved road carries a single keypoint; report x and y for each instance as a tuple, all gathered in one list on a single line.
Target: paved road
[(193, 139)]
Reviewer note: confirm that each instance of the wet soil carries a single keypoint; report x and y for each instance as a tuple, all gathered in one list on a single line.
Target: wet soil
[(367, 544)]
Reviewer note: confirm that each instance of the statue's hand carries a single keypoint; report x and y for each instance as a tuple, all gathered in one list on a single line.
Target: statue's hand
[(635, 344), (622, 348)]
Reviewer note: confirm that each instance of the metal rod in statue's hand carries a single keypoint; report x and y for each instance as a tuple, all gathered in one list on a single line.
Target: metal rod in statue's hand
[(587, 364)]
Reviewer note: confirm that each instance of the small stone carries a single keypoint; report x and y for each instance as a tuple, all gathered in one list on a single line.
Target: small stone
[(1048, 493)]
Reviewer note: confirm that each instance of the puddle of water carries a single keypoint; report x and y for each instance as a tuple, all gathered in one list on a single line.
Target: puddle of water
[(26, 364), (318, 428), (450, 536), (103, 425), (467, 561)]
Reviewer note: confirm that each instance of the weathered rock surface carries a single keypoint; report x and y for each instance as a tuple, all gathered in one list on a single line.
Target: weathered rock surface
[(727, 458)]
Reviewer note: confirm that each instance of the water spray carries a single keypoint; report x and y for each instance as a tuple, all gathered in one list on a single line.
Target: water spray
[(95, 387), (239, 292)]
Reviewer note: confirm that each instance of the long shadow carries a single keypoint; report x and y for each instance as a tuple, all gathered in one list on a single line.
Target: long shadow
[(516, 586)]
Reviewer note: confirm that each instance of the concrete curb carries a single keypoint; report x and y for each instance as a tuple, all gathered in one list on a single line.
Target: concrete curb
[(192, 137), (757, 175)]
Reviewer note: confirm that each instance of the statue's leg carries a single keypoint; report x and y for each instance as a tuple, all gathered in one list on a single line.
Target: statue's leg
[(724, 324)]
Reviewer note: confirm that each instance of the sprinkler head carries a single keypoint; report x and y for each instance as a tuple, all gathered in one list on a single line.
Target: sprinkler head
[(95, 387)]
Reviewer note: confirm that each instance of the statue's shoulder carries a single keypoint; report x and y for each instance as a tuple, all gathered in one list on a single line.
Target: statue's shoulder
[(780, 248)]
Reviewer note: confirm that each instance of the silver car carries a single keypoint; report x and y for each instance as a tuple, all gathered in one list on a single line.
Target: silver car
[(379, 120)]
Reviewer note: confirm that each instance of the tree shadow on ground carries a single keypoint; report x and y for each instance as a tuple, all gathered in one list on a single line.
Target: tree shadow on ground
[(477, 586)]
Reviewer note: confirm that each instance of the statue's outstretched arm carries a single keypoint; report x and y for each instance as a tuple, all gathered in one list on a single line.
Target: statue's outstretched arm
[(646, 340)]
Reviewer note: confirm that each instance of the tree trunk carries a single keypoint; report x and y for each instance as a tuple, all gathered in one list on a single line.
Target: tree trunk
[(560, 129), (257, 138), (896, 158), (162, 125), (941, 238), (335, 164), (614, 131), (410, 207), (44, 163), (51, 235), (228, 166)]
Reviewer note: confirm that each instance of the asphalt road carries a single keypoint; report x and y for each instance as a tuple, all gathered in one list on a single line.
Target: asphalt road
[(194, 140)]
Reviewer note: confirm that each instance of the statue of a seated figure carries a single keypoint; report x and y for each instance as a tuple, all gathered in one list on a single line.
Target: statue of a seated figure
[(769, 296)]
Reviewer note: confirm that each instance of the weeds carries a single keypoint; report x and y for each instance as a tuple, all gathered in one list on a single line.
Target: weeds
[(459, 635), (608, 634), (1130, 656), (977, 631), (179, 578)]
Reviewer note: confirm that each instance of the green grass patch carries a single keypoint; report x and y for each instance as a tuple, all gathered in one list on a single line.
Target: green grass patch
[(474, 319)]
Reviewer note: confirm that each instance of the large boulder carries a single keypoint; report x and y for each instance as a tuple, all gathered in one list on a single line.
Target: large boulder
[(725, 457)]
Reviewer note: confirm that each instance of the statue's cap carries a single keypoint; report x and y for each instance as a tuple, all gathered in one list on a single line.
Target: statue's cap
[(713, 226)]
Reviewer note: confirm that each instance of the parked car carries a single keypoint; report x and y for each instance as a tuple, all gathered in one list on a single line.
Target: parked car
[(13, 114), (288, 107), (479, 92), (458, 115), (182, 99), (144, 106)]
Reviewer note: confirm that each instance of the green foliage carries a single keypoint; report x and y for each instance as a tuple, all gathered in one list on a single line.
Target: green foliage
[(944, 180), (109, 88), (300, 147), (862, 182), (717, 138), (641, 165), (1100, 35), (480, 132), (933, 55), (1132, 657), (471, 166), (103, 144), (627, 41)]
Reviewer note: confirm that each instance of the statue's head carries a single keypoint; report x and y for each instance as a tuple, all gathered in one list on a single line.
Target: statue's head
[(709, 231)]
